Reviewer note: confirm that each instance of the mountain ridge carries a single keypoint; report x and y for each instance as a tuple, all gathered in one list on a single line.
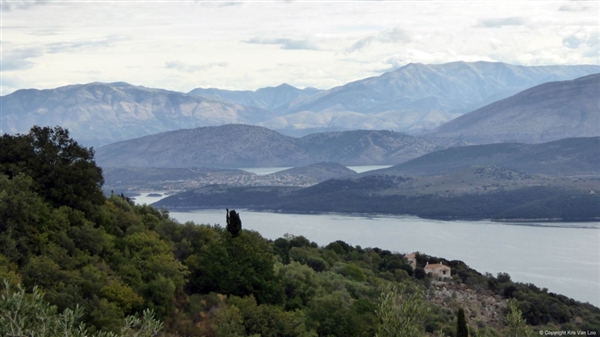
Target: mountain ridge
[(412, 95), (409, 99), (268, 98), (238, 145)]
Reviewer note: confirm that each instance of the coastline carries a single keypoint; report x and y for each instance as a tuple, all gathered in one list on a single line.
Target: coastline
[(545, 222)]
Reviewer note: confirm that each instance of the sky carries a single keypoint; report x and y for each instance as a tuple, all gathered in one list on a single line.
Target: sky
[(246, 45)]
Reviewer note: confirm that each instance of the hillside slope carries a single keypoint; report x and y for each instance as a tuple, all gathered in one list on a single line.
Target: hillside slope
[(547, 112), (566, 157)]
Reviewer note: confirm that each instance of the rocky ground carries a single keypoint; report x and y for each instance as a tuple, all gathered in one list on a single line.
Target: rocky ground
[(479, 306)]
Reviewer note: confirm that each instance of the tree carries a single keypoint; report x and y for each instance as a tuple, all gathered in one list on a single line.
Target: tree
[(461, 324), (514, 320), (234, 223), (401, 313), (64, 173), (238, 266)]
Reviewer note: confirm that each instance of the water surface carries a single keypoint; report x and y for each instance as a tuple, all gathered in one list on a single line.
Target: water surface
[(563, 257)]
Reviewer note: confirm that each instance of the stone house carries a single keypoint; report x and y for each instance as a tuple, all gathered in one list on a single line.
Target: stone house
[(438, 270)]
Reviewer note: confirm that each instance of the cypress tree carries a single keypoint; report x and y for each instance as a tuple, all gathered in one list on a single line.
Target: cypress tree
[(234, 223), (461, 324)]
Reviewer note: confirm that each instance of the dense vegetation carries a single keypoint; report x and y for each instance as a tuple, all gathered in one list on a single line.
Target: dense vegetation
[(115, 259)]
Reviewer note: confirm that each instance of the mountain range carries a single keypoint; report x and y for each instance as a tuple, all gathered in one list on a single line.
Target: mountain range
[(99, 113), (237, 145), (269, 98), (418, 96), (411, 98)]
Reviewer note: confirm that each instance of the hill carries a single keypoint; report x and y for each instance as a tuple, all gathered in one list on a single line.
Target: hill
[(128, 179), (318, 172), (418, 96), (566, 157), (102, 113), (231, 146), (516, 200), (543, 113)]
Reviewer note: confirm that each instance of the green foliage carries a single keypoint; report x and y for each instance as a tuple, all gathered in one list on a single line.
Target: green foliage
[(332, 315), (63, 172), (238, 266), (401, 313), (24, 314), (515, 324)]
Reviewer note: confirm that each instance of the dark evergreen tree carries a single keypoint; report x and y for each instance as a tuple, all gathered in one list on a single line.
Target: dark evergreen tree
[(234, 223), (461, 324)]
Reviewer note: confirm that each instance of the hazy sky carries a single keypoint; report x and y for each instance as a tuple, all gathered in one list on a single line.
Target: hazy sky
[(181, 45)]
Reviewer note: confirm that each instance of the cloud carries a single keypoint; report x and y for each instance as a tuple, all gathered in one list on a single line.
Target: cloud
[(574, 8), (77, 46), (20, 59), (572, 42), (497, 23), (394, 35), (184, 67), (591, 39), (361, 44), (10, 5), (291, 44)]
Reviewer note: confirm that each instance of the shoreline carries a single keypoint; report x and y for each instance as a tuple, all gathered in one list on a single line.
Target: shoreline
[(543, 222)]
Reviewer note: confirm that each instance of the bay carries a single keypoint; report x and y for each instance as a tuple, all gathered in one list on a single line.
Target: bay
[(563, 257)]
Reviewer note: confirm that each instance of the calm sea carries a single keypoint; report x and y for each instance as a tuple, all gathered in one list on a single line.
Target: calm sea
[(563, 257)]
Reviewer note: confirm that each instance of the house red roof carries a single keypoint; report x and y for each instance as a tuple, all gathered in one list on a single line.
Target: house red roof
[(436, 266)]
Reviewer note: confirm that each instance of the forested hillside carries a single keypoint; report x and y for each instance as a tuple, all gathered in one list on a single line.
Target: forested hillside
[(114, 259)]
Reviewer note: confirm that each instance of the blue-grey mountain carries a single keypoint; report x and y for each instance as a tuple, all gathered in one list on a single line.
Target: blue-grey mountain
[(411, 98), (565, 157), (419, 96), (253, 146), (547, 112), (101, 113), (269, 98)]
